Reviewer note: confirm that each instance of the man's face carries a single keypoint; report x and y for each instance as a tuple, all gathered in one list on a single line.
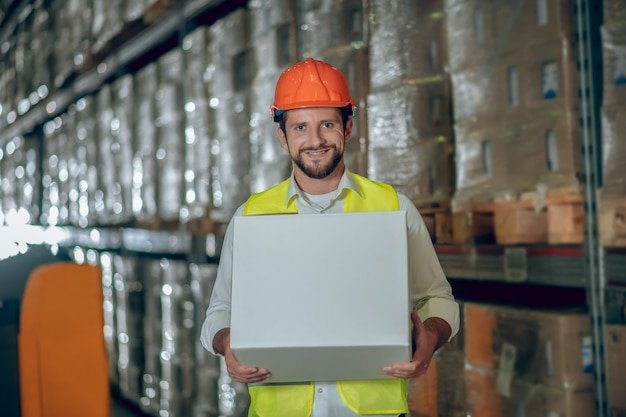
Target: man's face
[(315, 139)]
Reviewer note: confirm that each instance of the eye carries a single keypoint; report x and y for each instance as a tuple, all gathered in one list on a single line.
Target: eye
[(299, 127), (327, 125)]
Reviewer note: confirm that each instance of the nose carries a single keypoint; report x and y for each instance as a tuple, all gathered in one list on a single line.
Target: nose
[(317, 138)]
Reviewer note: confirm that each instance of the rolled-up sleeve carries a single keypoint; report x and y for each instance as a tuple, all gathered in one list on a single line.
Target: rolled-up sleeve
[(431, 293)]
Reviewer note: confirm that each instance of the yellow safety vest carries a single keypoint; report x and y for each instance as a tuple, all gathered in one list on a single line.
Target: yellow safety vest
[(373, 396)]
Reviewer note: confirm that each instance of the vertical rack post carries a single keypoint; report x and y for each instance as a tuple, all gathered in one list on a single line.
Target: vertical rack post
[(589, 64)]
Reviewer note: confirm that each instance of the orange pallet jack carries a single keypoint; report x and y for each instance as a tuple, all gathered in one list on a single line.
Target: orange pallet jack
[(62, 355)]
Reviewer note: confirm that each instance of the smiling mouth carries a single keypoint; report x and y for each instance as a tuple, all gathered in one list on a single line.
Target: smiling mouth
[(317, 152)]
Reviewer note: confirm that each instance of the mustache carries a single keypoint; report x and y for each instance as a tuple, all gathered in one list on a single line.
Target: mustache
[(319, 148)]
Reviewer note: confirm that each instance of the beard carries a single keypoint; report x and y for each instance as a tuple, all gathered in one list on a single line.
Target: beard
[(318, 170)]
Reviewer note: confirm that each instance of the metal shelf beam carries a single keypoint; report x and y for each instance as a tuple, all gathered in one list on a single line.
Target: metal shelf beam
[(151, 37), (549, 265)]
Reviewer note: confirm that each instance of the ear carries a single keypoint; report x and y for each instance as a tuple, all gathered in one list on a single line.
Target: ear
[(282, 137), (348, 129)]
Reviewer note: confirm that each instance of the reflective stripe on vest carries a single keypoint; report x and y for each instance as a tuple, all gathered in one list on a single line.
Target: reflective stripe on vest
[(375, 396)]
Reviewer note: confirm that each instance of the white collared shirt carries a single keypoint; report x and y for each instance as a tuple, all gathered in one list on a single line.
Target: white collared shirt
[(429, 287)]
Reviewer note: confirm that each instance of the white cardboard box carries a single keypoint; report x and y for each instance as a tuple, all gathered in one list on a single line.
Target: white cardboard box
[(321, 297)]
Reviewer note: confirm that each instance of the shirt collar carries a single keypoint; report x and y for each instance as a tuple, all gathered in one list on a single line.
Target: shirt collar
[(347, 182)]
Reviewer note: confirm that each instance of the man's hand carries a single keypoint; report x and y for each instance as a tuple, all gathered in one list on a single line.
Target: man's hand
[(427, 337), (238, 372)]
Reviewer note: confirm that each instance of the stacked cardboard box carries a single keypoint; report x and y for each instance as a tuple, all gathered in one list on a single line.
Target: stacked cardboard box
[(521, 359), (409, 102), (515, 110), (615, 348), (612, 203)]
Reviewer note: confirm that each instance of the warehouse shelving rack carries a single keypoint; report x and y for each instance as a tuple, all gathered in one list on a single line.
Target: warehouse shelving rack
[(589, 63), (597, 270)]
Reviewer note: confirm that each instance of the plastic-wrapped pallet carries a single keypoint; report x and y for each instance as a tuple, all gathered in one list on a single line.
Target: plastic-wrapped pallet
[(515, 96), (406, 144), (72, 164), (151, 273), (129, 315), (229, 97), (8, 83), (170, 137), (4, 182), (49, 179), (55, 210), (107, 22), (177, 383), (27, 175), (64, 131), (408, 112), (144, 204), (336, 32), (612, 197), (4, 100), (511, 364), (63, 48), (205, 400), (199, 129), (470, 32), (331, 25), (41, 46), (392, 45), (23, 67), (121, 147), (110, 320), (80, 19), (7, 183), (234, 399), (105, 195), (407, 42), (353, 64), (273, 48), (134, 10), (83, 210)]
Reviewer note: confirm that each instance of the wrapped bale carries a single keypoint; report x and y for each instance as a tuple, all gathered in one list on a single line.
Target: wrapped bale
[(199, 129), (144, 165), (230, 79), (170, 152)]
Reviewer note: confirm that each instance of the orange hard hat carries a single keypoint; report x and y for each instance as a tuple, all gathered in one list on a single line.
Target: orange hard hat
[(311, 83)]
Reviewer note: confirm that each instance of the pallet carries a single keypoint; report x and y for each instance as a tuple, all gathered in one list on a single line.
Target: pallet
[(612, 223), (438, 220), (560, 220)]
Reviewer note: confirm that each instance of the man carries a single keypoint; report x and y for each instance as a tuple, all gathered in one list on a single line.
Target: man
[(313, 106)]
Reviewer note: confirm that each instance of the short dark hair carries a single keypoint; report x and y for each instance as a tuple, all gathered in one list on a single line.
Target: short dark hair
[(346, 112)]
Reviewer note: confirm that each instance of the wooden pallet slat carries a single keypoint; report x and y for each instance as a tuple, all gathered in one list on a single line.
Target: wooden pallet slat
[(558, 219)]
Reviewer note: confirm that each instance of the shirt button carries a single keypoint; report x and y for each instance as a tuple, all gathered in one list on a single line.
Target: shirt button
[(320, 390)]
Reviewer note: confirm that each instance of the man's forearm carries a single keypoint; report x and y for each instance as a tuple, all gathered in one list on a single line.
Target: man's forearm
[(440, 329), (221, 340)]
